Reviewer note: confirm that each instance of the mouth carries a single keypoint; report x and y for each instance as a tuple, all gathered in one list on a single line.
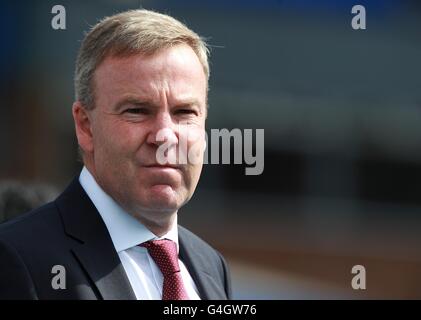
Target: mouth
[(162, 166)]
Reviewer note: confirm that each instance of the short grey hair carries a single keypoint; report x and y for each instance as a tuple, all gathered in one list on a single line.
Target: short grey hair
[(128, 33)]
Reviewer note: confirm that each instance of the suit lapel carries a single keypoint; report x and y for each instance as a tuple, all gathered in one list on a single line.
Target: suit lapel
[(93, 249), (198, 265), (107, 273)]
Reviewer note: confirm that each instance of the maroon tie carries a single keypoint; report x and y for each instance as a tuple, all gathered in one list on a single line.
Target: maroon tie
[(164, 253)]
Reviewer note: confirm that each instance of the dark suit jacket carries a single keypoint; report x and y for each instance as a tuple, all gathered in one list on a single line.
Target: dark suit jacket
[(71, 233)]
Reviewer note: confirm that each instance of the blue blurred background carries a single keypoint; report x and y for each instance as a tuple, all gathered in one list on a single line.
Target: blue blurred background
[(341, 111)]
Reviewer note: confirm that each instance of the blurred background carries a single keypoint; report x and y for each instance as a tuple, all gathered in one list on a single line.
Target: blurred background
[(341, 110)]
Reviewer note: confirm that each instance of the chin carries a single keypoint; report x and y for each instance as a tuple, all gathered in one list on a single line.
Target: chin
[(161, 206), (162, 198)]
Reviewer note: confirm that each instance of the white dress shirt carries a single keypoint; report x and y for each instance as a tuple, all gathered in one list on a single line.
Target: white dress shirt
[(127, 233)]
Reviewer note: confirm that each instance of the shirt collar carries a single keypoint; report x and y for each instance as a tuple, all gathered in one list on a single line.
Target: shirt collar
[(124, 229)]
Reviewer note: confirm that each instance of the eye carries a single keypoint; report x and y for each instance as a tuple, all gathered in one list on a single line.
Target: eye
[(137, 111), (185, 112)]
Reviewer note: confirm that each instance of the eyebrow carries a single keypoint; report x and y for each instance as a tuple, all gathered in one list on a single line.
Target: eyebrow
[(188, 102), (132, 100), (137, 101)]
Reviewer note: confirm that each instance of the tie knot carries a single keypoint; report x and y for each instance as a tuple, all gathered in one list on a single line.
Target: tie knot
[(164, 253)]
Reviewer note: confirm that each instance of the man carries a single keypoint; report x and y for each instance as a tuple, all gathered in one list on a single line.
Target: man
[(141, 102)]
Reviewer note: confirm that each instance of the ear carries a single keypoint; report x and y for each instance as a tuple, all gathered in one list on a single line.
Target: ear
[(83, 127)]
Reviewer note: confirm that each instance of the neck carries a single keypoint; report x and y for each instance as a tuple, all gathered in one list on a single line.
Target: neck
[(158, 227)]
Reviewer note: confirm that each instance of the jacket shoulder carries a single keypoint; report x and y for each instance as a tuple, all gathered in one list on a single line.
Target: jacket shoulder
[(29, 226), (21, 239)]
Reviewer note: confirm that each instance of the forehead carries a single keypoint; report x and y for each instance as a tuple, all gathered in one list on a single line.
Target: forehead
[(175, 69)]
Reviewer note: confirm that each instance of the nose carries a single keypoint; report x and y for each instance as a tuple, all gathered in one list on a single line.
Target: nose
[(163, 131)]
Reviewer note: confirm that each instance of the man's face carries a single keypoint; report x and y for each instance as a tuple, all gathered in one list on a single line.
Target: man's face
[(142, 102)]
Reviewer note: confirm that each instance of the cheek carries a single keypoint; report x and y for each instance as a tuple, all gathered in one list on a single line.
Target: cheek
[(119, 137), (196, 144)]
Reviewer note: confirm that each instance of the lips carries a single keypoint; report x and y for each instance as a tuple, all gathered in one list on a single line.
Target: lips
[(162, 166)]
